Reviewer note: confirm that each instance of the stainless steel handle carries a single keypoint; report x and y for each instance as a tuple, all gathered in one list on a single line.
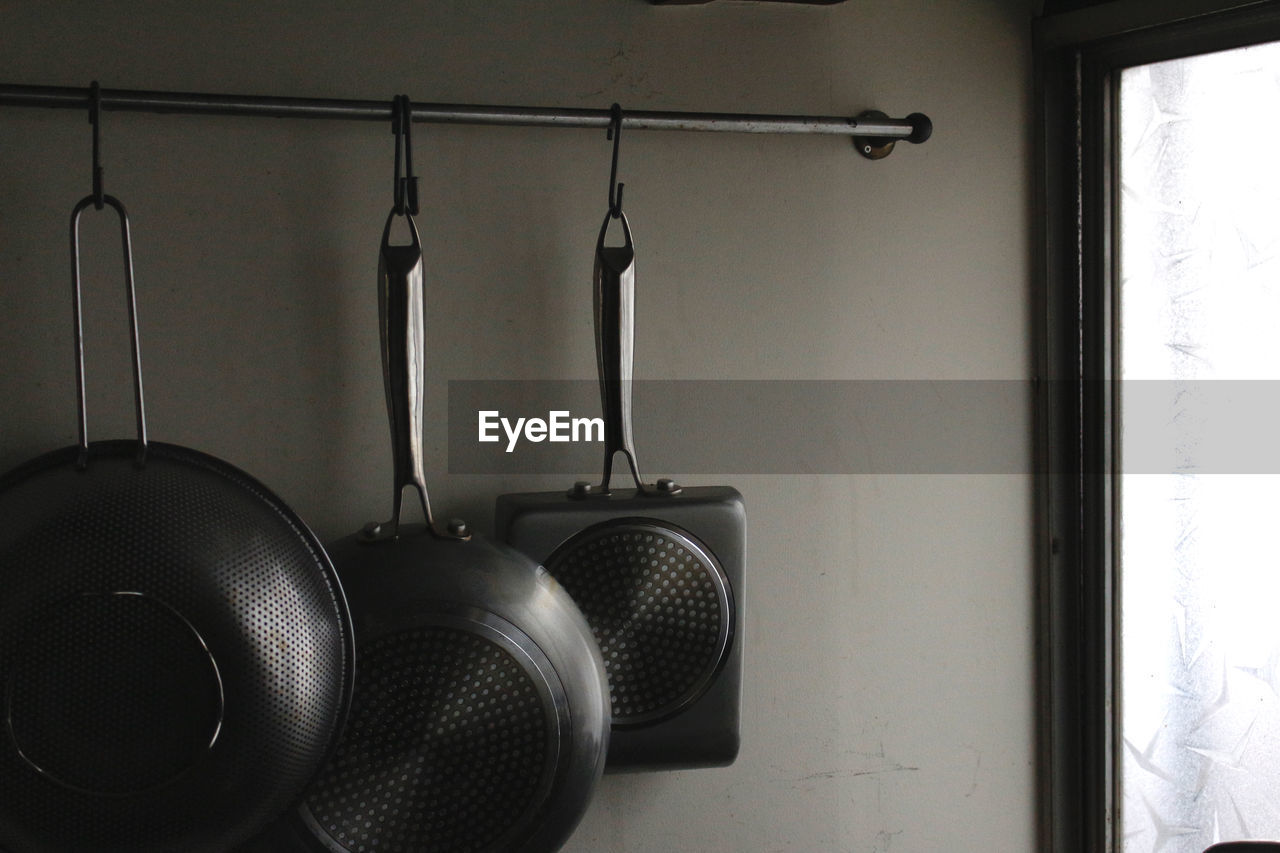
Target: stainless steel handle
[(139, 407), (401, 323), (614, 289)]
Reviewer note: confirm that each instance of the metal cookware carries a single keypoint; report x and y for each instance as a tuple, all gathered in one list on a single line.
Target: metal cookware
[(657, 570), (175, 648), (481, 713)]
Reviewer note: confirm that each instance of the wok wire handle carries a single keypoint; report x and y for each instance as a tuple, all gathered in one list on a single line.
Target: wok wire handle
[(99, 200), (82, 459)]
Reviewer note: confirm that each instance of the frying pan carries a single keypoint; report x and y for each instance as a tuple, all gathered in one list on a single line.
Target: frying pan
[(657, 570), (175, 648), (481, 714)]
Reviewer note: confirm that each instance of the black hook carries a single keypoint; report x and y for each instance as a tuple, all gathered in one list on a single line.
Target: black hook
[(397, 188), (95, 119), (406, 188), (410, 179), (615, 133)]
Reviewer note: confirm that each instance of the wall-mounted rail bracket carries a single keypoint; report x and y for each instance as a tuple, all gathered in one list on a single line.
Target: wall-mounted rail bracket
[(879, 147)]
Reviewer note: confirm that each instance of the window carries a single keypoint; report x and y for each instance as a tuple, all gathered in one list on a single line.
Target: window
[(1160, 589), (1197, 323)]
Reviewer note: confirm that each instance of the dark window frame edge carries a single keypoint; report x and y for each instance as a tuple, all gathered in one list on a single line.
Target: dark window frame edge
[(1077, 55)]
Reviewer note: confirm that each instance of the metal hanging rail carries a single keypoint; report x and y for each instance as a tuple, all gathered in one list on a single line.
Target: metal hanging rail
[(874, 132)]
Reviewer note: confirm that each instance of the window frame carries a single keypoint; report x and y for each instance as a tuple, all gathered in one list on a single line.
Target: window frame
[(1077, 59)]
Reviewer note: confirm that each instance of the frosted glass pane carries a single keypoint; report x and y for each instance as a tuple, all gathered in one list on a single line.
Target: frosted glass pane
[(1199, 569)]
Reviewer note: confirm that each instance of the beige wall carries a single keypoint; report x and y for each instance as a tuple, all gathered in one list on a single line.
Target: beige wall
[(889, 693)]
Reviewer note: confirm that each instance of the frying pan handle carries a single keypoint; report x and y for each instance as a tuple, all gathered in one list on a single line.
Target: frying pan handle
[(139, 407), (615, 298), (401, 322)]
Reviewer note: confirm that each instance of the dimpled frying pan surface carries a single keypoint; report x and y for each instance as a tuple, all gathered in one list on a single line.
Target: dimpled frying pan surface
[(172, 652), (660, 608), (464, 717)]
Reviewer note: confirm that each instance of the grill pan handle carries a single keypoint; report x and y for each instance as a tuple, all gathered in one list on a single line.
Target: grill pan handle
[(615, 301), (139, 408)]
